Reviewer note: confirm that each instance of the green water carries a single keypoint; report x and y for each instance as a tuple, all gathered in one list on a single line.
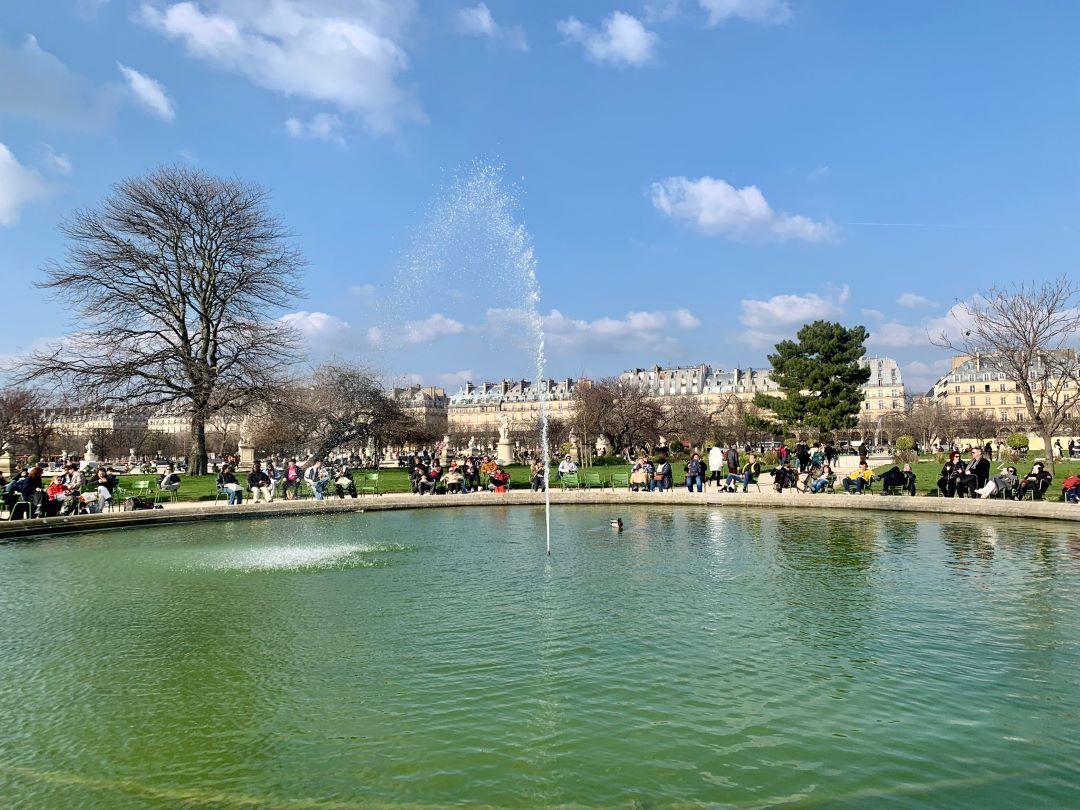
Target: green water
[(715, 657)]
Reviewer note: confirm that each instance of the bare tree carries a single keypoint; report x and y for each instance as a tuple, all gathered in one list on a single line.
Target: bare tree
[(173, 281), (1028, 331), (620, 410), (14, 405), (930, 421), (36, 429), (980, 426), (689, 422)]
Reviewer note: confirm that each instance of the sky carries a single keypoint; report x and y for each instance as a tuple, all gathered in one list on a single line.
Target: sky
[(698, 177)]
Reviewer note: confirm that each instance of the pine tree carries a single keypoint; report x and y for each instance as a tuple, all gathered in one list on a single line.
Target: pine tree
[(819, 377)]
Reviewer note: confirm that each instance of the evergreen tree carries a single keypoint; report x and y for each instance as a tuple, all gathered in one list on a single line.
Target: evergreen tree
[(819, 377)]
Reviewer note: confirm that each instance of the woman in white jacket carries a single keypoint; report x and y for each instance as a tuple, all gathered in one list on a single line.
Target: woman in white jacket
[(716, 461)]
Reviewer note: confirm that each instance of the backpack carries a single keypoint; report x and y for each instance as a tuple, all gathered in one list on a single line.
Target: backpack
[(293, 473)]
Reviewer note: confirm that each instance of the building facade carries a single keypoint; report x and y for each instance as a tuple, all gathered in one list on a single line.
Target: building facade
[(80, 420), (427, 405), (978, 386), (478, 410), (883, 393)]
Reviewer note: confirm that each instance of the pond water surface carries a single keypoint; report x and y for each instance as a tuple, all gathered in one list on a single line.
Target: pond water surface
[(718, 657)]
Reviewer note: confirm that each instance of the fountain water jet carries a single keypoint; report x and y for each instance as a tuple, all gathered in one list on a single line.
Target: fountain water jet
[(472, 235)]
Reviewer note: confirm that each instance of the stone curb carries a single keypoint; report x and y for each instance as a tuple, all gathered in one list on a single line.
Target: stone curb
[(192, 512)]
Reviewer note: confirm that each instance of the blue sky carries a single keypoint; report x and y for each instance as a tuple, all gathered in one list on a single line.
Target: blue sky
[(699, 177)]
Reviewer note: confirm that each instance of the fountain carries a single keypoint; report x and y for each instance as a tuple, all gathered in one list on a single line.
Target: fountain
[(472, 237)]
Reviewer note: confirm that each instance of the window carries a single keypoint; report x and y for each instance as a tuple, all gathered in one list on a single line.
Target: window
[(987, 401), (973, 400), (1019, 400), (958, 402), (1001, 386), (1004, 400), (971, 389), (1004, 416)]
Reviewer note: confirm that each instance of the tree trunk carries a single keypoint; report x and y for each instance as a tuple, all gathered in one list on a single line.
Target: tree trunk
[(199, 457), (1048, 446)]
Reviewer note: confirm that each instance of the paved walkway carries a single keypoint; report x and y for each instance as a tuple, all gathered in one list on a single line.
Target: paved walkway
[(768, 499)]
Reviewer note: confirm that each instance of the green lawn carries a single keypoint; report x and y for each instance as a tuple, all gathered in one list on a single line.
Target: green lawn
[(204, 487), (927, 472)]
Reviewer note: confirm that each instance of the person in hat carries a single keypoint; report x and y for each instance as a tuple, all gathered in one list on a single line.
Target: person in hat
[(567, 467)]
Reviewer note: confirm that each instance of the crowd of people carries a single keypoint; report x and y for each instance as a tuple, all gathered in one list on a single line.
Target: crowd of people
[(471, 474), (73, 491)]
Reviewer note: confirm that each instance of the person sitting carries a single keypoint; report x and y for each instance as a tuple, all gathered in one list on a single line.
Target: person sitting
[(472, 475), (858, 479), (749, 474), (784, 477), (641, 475), (293, 475), (429, 481), (454, 481), (57, 494), (344, 483), (974, 475), (106, 483), (488, 466), (567, 467), (417, 473), (903, 479), (500, 480), (1036, 482), (228, 484), (661, 474), (259, 484), (1071, 487), (1005, 483), (823, 481), (536, 476), (274, 474), (318, 477), (950, 475), (170, 481), (695, 473)]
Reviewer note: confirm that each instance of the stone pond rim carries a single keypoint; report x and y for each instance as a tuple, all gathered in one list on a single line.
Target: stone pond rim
[(200, 511)]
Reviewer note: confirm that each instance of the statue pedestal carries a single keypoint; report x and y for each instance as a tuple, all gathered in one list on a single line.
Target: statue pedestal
[(7, 463), (505, 453), (444, 455), (247, 457)]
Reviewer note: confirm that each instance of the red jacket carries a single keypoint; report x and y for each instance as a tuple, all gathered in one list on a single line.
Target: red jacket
[(1071, 481)]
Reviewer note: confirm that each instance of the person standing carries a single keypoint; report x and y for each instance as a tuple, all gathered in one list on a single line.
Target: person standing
[(716, 461), (731, 458)]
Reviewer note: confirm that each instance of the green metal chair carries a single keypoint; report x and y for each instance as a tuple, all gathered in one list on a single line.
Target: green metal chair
[(593, 479), (369, 482), (570, 482), (620, 480)]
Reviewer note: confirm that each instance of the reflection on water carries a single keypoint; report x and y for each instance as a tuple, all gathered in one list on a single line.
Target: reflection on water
[(704, 656)]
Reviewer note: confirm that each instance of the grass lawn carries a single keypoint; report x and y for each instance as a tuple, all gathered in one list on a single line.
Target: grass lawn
[(927, 472), (204, 487)]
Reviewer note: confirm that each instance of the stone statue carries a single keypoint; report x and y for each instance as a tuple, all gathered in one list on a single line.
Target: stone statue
[(90, 447), (504, 429)]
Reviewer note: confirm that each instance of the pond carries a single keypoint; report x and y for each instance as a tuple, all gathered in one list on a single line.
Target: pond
[(724, 656)]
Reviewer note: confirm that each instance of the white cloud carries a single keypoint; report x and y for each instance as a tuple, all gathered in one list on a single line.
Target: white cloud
[(54, 161), (912, 300), (342, 53), (716, 207), (36, 85), (321, 127), (875, 314), (662, 10), (18, 187), (759, 11), (919, 376), (633, 332), (897, 335), (769, 321), (478, 21), (820, 173), (362, 290), (456, 379), (320, 329), (686, 319), (150, 93), (431, 328), (622, 39)]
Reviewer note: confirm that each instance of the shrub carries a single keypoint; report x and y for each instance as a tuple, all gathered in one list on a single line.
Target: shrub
[(1017, 441), (905, 450), (905, 443), (770, 458)]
